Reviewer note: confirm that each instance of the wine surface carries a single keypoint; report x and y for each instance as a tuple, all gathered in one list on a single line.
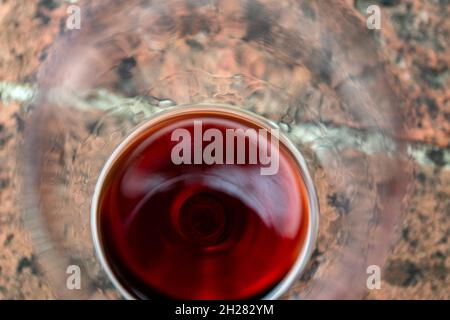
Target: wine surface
[(198, 230)]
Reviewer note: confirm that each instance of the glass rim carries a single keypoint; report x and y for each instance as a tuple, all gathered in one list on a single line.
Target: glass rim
[(313, 222)]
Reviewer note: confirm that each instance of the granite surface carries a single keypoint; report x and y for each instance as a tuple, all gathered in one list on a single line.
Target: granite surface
[(415, 35)]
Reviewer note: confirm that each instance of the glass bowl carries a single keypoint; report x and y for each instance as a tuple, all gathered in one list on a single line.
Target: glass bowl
[(310, 67)]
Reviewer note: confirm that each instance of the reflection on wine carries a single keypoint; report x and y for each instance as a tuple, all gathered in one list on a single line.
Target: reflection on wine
[(204, 229)]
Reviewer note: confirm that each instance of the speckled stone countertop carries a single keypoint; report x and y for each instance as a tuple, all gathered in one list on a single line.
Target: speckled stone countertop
[(415, 35)]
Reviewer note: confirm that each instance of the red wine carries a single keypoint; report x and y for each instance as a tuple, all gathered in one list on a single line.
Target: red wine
[(201, 230)]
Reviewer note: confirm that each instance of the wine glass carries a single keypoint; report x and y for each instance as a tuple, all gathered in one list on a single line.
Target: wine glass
[(312, 68)]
